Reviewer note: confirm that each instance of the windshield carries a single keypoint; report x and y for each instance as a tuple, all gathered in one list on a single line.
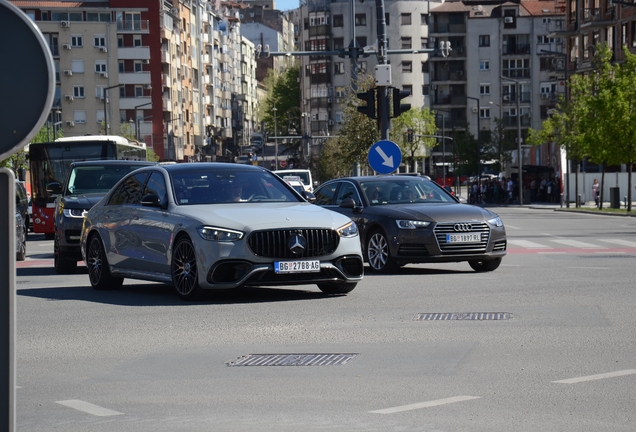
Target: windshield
[(229, 186), (96, 179), (383, 192)]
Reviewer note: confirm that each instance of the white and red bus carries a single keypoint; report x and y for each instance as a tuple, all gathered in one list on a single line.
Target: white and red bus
[(49, 162)]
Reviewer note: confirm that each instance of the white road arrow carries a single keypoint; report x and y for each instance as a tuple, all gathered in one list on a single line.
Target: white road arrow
[(388, 161)]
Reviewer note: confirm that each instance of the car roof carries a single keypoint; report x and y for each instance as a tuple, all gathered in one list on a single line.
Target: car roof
[(391, 177), (202, 166), (105, 162)]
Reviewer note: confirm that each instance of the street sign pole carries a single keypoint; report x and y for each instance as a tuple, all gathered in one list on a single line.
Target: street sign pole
[(31, 66)]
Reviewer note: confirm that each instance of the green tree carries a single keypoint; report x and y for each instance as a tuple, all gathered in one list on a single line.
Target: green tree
[(422, 122)]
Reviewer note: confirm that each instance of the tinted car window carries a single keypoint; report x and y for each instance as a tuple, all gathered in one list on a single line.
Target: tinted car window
[(348, 190), (84, 179), (129, 191), (156, 185), (324, 195)]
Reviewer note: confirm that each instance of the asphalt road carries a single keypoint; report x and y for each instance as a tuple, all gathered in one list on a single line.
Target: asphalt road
[(560, 355)]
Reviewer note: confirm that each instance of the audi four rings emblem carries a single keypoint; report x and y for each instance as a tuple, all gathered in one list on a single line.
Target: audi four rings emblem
[(296, 243), (463, 227)]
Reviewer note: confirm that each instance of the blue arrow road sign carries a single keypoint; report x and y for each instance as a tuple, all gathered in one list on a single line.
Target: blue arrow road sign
[(385, 156)]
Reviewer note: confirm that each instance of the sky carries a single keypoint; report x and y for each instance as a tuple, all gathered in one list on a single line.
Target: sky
[(283, 5)]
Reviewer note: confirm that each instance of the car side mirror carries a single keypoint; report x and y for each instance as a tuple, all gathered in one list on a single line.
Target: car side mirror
[(462, 200), (54, 188), (151, 200), (309, 197), (350, 203)]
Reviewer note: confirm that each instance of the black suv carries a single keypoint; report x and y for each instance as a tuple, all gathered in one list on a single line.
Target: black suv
[(86, 184)]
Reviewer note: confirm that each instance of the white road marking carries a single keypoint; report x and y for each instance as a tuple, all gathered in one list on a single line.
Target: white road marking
[(597, 377), (528, 244), (88, 408), (589, 268), (424, 404), (551, 253), (620, 242), (578, 244), (609, 252), (513, 227)]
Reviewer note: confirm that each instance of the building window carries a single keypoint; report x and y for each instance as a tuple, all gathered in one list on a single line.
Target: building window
[(99, 116), (426, 90), (406, 42), (484, 65), (424, 42), (405, 19), (339, 68), (78, 91), (423, 19), (425, 67), (120, 41), (99, 40), (76, 40), (122, 66), (99, 92), (338, 43), (340, 92), (338, 21), (362, 41), (484, 89), (484, 40), (137, 42), (77, 66), (407, 66), (484, 113), (79, 116), (100, 66), (361, 19), (139, 91), (138, 66)]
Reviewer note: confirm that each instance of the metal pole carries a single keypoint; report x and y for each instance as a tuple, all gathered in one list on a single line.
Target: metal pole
[(105, 113), (443, 153), (383, 100), (520, 161), (275, 137)]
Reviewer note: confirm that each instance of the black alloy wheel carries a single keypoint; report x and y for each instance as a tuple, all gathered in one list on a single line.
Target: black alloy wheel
[(98, 270), (62, 264), (378, 253), (184, 270)]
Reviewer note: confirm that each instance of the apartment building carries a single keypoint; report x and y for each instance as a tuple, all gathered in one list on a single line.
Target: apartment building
[(502, 65), (164, 71), (330, 26)]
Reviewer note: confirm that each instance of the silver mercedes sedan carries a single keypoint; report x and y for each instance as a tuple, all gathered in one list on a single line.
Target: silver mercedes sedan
[(206, 226)]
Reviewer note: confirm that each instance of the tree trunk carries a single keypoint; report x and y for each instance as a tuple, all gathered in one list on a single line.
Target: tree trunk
[(576, 186), (629, 187)]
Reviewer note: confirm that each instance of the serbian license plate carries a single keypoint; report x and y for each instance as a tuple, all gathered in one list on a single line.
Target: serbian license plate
[(463, 238), (297, 266)]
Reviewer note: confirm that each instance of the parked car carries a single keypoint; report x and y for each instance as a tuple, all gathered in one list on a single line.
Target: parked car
[(86, 183), (304, 174), (407, 219), (20, 237), (207, 226), (22, 202)]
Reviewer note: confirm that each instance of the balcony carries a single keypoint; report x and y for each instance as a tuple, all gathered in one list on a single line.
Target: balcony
[(206, 58), (167, 104), (133, 53), (165, 80), (516, 73), (324, 78), (205, 38), (165, 56), (511, 121), (131, 102), (206, 79), (208, 120), (322, 30), (207, 99), (516, 49), (134, 26), (449, 28), (145, 128), (138, 78)]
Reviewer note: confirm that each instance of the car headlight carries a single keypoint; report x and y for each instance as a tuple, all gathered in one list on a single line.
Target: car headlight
[(219, 234), (348, 230), (411, 224), (495, 221), (74, 213)]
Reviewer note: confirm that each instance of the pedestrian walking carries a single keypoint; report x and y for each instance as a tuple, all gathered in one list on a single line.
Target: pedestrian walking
[(596, 192)]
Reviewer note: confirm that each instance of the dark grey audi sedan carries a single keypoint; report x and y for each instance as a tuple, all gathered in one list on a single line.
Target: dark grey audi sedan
[(406, 219)]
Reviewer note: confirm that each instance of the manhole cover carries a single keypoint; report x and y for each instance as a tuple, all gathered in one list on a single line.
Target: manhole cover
[(293, 360), (470, 316)]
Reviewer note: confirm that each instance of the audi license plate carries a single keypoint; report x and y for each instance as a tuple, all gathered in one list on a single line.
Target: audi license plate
[(297, 266), (463, 238)]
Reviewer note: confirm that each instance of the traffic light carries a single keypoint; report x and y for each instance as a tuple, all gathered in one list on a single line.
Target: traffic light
[(409, 135), (398, 107), (369, 109)]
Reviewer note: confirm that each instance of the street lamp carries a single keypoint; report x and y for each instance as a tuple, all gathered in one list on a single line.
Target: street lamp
[(58, 113), (137, 119), (105, 100), (306, 116), (275, 137), (565, 84), (443, 145), (520, 156), (478, 143)]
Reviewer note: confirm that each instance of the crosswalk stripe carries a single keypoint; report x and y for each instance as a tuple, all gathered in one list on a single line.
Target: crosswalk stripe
[(577, 244), (528, 244), (620, 242)]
